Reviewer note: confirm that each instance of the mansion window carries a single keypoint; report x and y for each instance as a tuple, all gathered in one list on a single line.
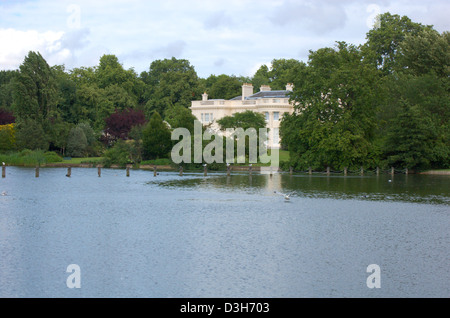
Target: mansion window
[(276, 116), (276, 136), (207, 117)]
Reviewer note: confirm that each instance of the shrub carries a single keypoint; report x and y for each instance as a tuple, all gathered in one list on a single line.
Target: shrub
[(31, 135), (76, 143), (51, 157), (7, 137), (119, 154)]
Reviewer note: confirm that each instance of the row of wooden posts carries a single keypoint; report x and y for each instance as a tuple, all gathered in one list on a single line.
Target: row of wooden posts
[(378, 171), (69, 171), (205, 171), (99, 169)]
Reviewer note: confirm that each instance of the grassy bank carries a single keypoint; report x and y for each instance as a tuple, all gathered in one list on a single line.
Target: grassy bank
[(33, 158), (75, 161), (30, 158)]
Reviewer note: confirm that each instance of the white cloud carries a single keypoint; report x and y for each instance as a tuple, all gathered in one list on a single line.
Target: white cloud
[(314, 16), (218, 19), (220, 36), (15, 45)]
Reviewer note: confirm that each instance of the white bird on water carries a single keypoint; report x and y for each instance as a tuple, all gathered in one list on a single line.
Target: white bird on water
[(4, 193), (287, 197)]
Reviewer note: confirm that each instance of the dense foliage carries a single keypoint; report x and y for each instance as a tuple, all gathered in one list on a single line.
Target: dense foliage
[(385, 102)]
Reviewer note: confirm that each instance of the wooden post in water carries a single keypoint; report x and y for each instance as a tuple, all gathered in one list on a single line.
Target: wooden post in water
[(392, 171), (69, 172), (3, 171), (205, 169), (181, 171), (155, 171), (345, 171), (250, 169), (378, 171), (37, 172), (128, 171), (406, 171), (291, 170), (362, 171), (310, 170), (99, 169), (328, 171), (228, 169)]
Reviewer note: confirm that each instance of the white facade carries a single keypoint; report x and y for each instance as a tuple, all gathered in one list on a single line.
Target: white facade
[(273, 104)]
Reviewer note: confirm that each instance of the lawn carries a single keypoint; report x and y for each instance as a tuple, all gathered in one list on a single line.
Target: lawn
[(283, 156), (82, 160)]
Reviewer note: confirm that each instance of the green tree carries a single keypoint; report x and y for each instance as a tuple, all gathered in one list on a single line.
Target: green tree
[(119, 154), (261, 77), (426, 52), (135, 142), (111, 73), (335, 119), (225, 87), (66, 95), (90, 105), (284, 71), (30, 135), (410, 139), (77, 142), (170, 82), (103, 89), (245, 120), (6, 89), (93, 144), (383, 41), (7, 137), (58, 134), (156, 138), (34, 89), (180, 117), (419, 86), (426, 99)]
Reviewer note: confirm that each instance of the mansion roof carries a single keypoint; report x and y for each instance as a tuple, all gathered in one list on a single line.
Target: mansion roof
[(266, 94)]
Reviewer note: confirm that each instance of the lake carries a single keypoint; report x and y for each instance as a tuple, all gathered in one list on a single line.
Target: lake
[(222, 236)]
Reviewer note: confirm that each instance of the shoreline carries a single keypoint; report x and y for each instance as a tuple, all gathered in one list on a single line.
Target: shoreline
[(140, 167), (437, 172), (172, 168)]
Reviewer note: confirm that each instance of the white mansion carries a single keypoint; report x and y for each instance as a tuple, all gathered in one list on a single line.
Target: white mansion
[(273, 104)]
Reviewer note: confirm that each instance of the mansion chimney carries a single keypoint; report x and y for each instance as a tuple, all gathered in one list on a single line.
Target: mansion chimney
[(247, 90), (265, 88)]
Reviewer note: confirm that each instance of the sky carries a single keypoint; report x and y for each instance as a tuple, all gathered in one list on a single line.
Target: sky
[(233, 37)]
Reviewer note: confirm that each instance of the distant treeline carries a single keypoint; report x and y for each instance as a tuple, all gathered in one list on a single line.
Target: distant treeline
[(385, 102)]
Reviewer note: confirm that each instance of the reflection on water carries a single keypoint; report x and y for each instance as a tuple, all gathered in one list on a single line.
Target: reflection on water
[(222, 236), (408, 188)]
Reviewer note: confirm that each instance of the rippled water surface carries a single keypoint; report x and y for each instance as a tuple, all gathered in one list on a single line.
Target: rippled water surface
[(219, 236)]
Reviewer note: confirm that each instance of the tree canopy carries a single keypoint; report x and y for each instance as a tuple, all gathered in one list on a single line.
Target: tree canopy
[(384, 102)]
